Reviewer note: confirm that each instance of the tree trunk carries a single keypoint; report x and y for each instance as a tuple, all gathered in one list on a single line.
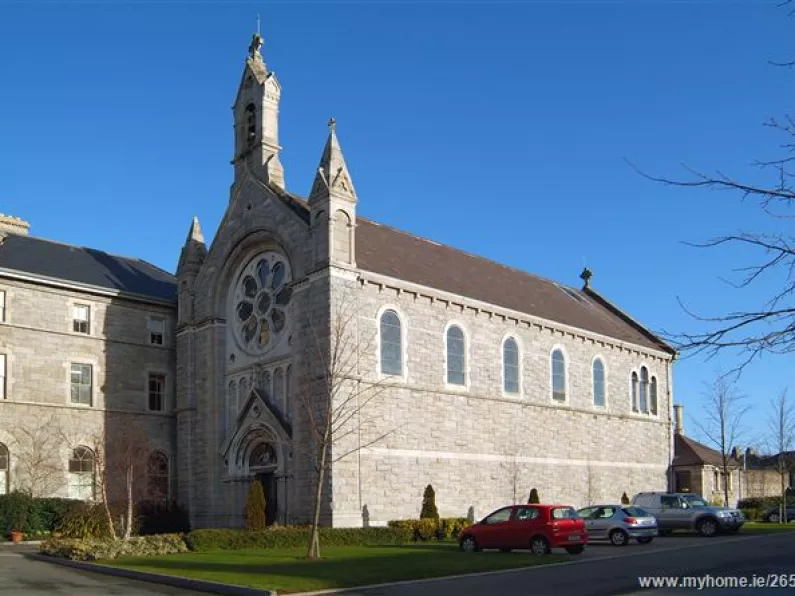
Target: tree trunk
[(783, 516), (314, 539), (129, 520), (104, 490)]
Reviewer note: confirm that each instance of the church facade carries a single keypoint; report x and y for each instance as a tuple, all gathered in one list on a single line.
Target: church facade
[(435, 366)]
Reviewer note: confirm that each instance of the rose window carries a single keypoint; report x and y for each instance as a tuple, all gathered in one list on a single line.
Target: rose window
[(262, 296)]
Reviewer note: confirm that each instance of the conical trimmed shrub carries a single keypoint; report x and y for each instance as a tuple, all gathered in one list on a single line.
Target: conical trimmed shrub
[(429, 504), (255, 508), (533, 496), (624, 499)]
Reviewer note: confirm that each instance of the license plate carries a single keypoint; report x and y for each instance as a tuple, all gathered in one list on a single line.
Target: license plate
[(577, 537)]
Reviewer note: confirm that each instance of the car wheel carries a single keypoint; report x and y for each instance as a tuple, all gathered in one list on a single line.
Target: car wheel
[(774, 518), (707, 527), (577, 549), (619, 538), (469, 544), (645, 539), (539, 546)]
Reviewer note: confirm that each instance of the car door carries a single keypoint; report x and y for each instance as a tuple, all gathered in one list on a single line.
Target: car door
[(666, 515), (493, 532), (603, 520), (526, 523), (588, 515)]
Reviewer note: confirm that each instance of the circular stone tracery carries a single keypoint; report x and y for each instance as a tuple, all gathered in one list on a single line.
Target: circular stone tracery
[(261, 298)]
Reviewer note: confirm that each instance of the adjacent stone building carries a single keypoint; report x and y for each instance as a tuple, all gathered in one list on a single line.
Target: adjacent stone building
[(437, 366)]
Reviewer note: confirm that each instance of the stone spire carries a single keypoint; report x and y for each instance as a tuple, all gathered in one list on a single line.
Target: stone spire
[(194, 250), (256, 114), (332, 177)]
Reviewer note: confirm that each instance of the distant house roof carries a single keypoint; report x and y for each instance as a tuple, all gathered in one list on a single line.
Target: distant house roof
[(688, 452), (54, 261)]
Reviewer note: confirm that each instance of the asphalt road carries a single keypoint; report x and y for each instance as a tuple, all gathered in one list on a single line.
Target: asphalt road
[(605, 570), (20, 576)]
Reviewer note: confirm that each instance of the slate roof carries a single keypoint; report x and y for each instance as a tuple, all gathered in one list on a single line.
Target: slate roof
[(85, 266), (385, 250), (688, 452), (394, 253)]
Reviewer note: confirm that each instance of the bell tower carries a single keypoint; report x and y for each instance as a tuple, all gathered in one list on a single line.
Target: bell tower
[(256, 116)]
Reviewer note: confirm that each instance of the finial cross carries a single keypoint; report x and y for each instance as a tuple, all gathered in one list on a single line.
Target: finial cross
[(332, 124)]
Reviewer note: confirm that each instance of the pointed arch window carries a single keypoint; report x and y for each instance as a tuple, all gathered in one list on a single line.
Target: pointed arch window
[(456, 356), (5, 464), (510, 366), (634, 389), (278, 388), (599, 398), (231, 406), (157, 476), (251, 124), (391, 344), (653, 396), (82, 474), (644, 390), (288, 387), (558, 375)]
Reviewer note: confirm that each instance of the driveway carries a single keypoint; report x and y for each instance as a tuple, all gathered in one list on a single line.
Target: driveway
[(20, 576), (607, 570)]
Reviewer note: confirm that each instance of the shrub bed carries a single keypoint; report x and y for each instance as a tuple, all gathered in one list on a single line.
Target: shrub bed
[(421, 530), (290, 537), (94, 550), (752, 513), (764, 502)]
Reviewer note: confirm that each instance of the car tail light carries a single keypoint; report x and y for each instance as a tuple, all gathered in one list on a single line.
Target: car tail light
[(631, 521)]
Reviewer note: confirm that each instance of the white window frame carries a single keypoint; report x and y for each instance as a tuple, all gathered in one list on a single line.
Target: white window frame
[(76, 322), (465, 333), (520, 368), (82, 362), (150, 319), (404, 323), (76, 480), (567, 396), (3, 305), (165, 394), (168, 472), (5, 472), (654, 380), (601, 359), (633, 395)]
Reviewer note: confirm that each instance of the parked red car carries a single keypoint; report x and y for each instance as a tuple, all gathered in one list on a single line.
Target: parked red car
[(535, 527)]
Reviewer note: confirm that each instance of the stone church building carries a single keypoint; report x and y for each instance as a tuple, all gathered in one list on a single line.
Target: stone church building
[(436, 366)]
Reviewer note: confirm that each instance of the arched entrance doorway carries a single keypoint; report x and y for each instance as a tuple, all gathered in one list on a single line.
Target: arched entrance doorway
[(262, 463)]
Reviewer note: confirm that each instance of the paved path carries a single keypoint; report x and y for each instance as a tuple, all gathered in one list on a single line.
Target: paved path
[(605, 570), (20, 576)]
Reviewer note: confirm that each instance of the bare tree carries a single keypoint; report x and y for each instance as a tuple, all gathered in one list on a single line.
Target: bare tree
[(781, 423), (769, 327), (724, 411), (38, 468), (335, 397), (99, 476), (128, 450)]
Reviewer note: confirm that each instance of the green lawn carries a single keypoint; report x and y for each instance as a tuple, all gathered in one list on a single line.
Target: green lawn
[(765, 528), (285, 570)]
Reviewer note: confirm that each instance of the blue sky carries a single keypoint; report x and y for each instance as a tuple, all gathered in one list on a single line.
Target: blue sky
[(502, 128)]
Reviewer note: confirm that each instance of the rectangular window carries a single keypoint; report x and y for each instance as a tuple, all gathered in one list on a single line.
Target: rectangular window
[(81, 315), (81, 486), (81, 384), (2, 376), (157, 392), (2, 306), (157, 330)]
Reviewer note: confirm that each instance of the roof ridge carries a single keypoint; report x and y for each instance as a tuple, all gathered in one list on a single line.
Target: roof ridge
[(70, 245), (474, 255)]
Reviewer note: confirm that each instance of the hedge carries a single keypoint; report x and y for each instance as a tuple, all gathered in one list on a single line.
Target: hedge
[(752, 513), (290, 537), (40, 515), (421, 530), (764, 502), (94, 550)]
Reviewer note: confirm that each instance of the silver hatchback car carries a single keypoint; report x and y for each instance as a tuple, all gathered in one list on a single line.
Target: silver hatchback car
[(619, 523)]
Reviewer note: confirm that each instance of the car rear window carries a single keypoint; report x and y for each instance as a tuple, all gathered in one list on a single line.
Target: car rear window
[(564, 513), (635, 512)]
